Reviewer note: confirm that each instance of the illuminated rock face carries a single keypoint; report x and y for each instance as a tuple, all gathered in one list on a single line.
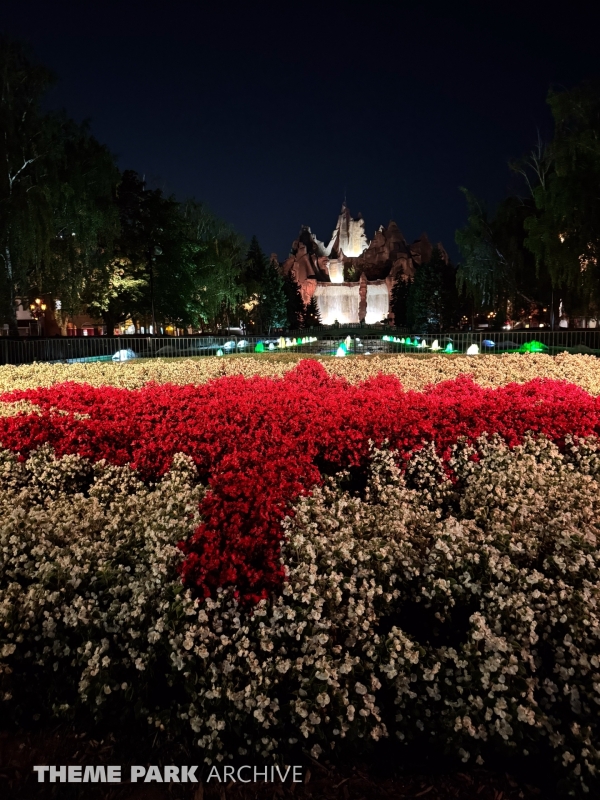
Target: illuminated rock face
[(351, 277), (348, 238)]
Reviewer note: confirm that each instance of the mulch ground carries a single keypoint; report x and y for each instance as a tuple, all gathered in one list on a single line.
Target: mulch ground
[(19, 752)]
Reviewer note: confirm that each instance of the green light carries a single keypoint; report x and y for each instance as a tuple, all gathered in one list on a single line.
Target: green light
[(448, 348), (533, 347), (260, 348), (298, 340), (341, 351), (219, 352)]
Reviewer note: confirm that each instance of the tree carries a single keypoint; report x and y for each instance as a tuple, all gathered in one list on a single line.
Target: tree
[(432, 301), (252, 280), (218, 287), (86, 219), (312, 317), (26, 214), (564, 234), (173, 262), (273, 298), (399, 304), (56, 186), (497, 270), (294, 303)]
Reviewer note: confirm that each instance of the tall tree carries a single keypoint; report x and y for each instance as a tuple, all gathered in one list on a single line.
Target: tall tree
[(219, 259), (252, 280), (273, 298), (86, 219), (565, 233), (294, 303), (497, 270), (399, 304), (433, 302), (312, 316), (26, 212)]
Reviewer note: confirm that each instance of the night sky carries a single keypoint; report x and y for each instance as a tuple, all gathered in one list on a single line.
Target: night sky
[(271, 112)]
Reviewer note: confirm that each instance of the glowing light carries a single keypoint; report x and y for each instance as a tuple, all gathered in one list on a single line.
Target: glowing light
[(219, 352), (124, 355), (448, 348), (533, 347), (473, 350), (488, 343), (341, 351), (435, 345), (260, 348), (271, 346)]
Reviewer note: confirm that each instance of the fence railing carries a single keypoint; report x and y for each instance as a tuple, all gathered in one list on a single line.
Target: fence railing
[(325, 342)]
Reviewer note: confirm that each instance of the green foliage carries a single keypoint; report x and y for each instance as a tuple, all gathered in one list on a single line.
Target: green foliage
[(399, 304), (293, 302), (312, 316), (565, 233), (263, 285), (497, 270), (432, 302), (57, 220), (25, 207), (73, 228), (174, 262), (273, 297)]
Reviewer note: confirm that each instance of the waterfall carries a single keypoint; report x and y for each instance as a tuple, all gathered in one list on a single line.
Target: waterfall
[(338, 302), (378, 302)]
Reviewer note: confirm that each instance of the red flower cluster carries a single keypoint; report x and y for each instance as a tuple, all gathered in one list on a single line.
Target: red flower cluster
[(257, 443)]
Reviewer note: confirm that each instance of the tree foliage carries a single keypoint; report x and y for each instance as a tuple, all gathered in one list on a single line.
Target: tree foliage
[(273, 297), (312, 315), (432, 302), (294, 303), (564, 234), (399, 301)]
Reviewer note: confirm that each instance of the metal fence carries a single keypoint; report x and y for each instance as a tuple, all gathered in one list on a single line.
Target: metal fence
[(321, 342)]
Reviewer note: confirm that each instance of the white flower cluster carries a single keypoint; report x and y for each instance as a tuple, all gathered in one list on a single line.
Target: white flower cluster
[(89, 589), (413, 372), (463, 613)]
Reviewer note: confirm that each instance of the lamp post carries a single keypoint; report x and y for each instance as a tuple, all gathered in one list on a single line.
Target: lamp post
[(37, 310)]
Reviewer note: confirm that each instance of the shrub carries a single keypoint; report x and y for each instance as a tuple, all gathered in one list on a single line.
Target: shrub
[(460, 612)]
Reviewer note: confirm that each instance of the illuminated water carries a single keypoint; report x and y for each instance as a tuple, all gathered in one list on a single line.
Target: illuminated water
[(377, 302), (337, 302)]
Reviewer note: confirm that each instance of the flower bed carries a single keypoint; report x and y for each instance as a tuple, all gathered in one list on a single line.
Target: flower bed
[(413, 373), (441, 586)]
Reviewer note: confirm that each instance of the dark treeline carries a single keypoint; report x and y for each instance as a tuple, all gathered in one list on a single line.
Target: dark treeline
[(540, 249), (536, 258), (77, 230)]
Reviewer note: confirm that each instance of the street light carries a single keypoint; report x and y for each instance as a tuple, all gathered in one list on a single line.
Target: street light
[(37, 309)]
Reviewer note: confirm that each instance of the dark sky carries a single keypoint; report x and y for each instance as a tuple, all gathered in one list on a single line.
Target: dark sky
[(270, 112)]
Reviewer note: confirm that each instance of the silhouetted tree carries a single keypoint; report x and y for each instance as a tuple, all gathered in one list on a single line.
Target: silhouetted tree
[(273, 298), (312, 317), (293, 302), (433, 301), (400, 294)]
